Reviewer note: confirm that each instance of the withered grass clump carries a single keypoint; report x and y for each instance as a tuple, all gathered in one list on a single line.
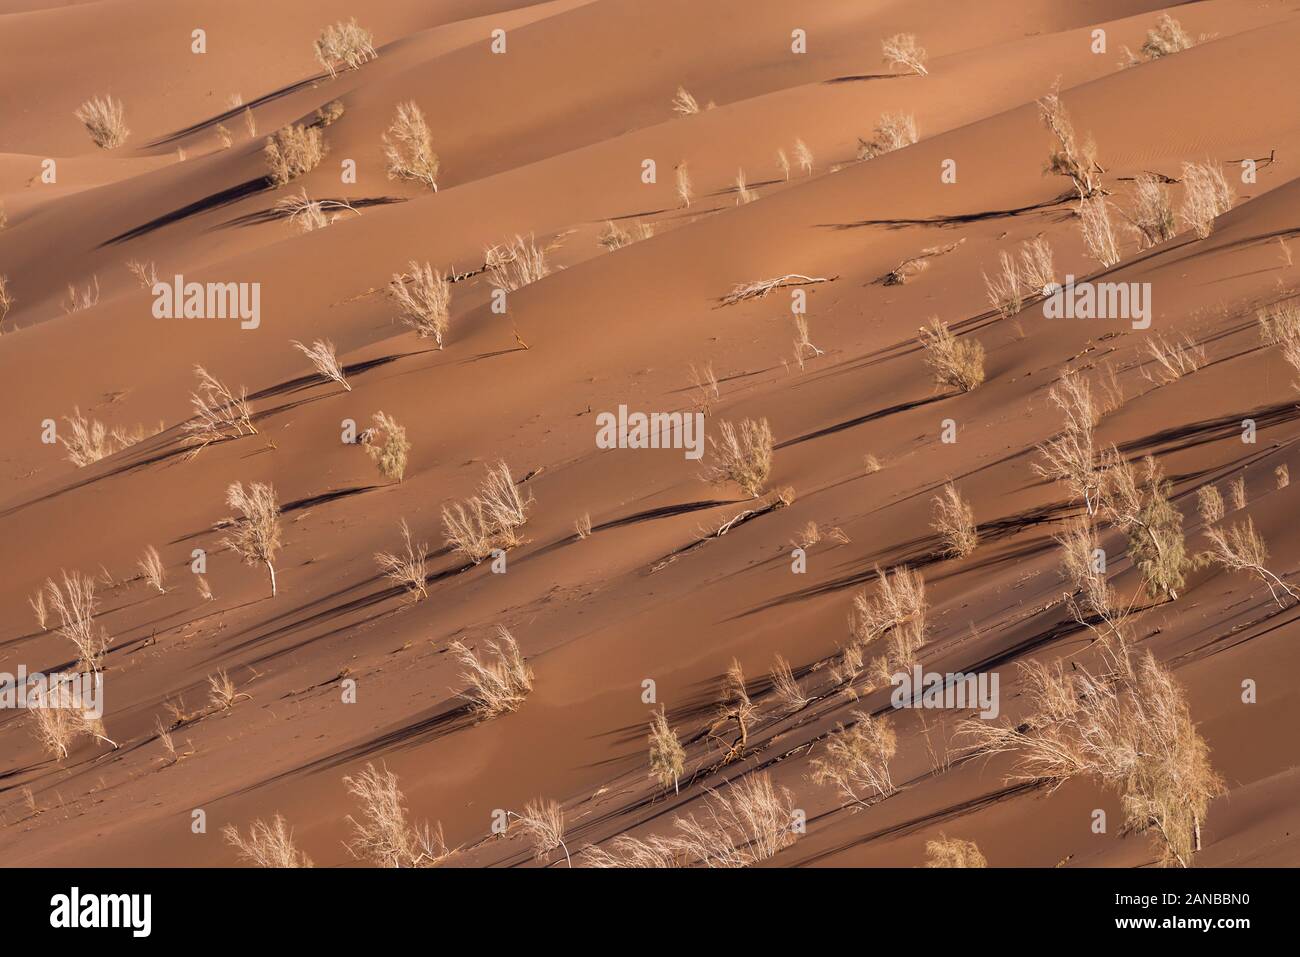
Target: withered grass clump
[(856, 758), (383, 835), (424, 297), (408, 147), (490, 520), (497, 685), (954, 520), (893, 132), (957, 363), (267, 845), (387, 446), (667, 756), (743, 455), (219, 413), (293, 151), (902, 50), (105, 121), (1206, 196), (953, 852), (407, 568)]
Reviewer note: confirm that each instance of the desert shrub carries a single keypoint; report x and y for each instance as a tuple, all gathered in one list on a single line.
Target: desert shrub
[(615, 236), (324, 360), (222, 693), (684, 104), (219, 413), (387, 446), (151, 569), (256, 535), (856, 758), (327, 115), (267, 845), (308, 214), (293, 151), (893, 132), (424, 298), (1069, 158), (489, 520), (383, 835), (1152, 216), (6, 297), (1071, 456), (1166, 38), (1279, 323), (1079, 545), (496, 686), (790, 697), (1209, 503), (408, 147), (104, 120), (743, 455), (406, 569), (902, 50), (896, 613), (73, 601), (83, 298), (803, 156), (667, 756), (1206, 196), (1128, 726), (1175, 358), (1240, 548), (1097, 231), (954, 520), (1282, 476), (952, 852), (542, 823), (685, 191), (1003, 288), (957, 363), (344, 46), (1141, 508), (1037, 270), (517, 264)]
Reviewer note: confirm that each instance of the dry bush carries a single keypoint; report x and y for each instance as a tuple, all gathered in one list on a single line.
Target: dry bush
[(1098, 234), (383, 835), (783, 163), (803, 156), (309, 215), (267, 845), (1174, 359), (343, 46), (37, 602), (495, 686), (847, 669), (897, 613), (684, 103), (218, 413), (748, 823), (1209, 503), (1237, 493), (324, 359), (1069, 158), (6, 297), (1282, 474), (104, 120), (1152, 216), (88, 440), (1241, 549), (1071, 456), (743, 455), (1037, 270), (760, 288), (1279, 323), (857, 758), (667, 756), (146, 274), (329, 114), (1128, 726), (1166, 38), (734, 705), (1003, 289), (517, 264), (1206, 195), (582, 526), (489, 520), (424, 297), (744, 195), (915, 265), (256, 535), (387, 446), (803, 346), (902, 50), (1141, 508), (151, 569), (53, 721), (73, 601), (952, 852), (789, 696), (543, 824), (222, 693), (293, 151), (958, 363), (204, 589), (614, 236), (408, 147), (225, 136), (871, 464), (1092, 595), (685, 191), (893, 132), (79, 299), (954, 520), (706, 386), (406, 569)]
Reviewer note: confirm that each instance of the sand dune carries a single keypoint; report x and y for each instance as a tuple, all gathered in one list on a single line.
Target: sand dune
[(548, 142)]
